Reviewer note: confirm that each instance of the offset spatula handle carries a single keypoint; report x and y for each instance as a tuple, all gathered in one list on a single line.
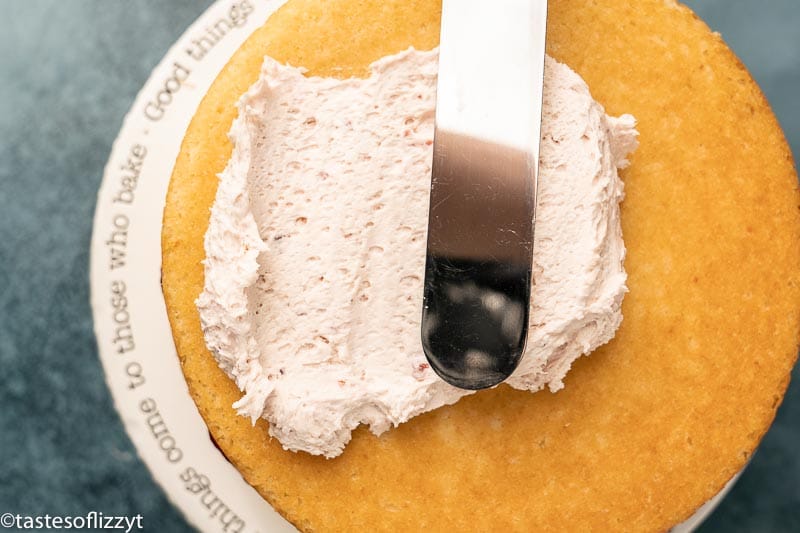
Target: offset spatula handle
[(483, 189)]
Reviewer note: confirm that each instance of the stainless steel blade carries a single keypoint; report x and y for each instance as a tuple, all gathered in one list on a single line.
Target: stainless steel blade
[(483, 189)]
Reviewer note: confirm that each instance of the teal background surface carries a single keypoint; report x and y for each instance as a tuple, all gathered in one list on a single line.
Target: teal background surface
[(69, 71)]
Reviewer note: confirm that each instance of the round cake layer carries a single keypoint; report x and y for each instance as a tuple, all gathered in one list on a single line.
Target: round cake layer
[(648, 427)]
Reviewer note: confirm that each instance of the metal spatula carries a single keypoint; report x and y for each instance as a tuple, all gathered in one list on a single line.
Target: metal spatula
[(483, 189)]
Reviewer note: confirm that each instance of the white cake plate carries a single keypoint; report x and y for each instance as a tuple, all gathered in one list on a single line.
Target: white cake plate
[(130, 319)]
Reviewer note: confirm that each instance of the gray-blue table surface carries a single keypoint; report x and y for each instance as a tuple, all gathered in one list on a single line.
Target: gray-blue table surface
[(68, 73)]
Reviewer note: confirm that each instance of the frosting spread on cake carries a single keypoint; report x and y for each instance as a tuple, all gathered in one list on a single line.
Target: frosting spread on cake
[(315, 251)]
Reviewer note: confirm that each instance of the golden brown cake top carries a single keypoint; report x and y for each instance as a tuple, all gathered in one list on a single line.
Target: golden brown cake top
[(648, 427)]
